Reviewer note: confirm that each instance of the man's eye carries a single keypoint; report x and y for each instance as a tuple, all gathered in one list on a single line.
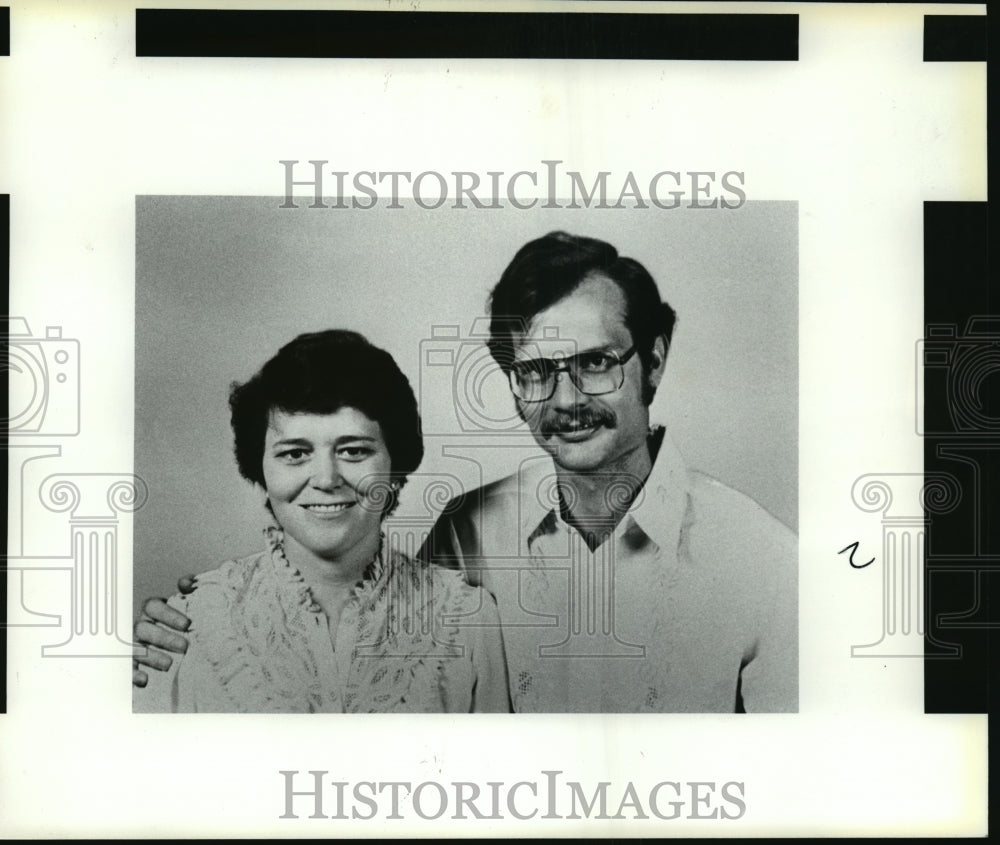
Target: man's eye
[(529, 371), (595, 362), (293, 455)]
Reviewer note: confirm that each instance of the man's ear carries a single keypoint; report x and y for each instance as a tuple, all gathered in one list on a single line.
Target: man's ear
[(657, 362)]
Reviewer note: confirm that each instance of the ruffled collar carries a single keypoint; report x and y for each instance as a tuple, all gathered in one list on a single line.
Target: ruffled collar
[(274, 538), (260, 635)]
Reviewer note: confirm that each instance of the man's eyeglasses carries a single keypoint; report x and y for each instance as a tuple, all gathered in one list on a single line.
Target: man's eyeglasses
[(594, 372)]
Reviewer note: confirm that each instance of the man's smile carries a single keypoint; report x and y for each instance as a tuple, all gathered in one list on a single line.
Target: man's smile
[(575, 433)]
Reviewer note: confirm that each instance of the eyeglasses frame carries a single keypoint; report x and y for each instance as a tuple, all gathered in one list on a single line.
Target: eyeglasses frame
[(563, 365)]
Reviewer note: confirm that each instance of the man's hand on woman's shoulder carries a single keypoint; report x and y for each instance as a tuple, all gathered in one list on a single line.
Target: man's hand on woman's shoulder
[(160, 627)]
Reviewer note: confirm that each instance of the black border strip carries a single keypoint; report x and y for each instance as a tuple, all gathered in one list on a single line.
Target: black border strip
[(4, 30), (959, 575), (955, 38), (5, 281), (319, 34), (958, 287)]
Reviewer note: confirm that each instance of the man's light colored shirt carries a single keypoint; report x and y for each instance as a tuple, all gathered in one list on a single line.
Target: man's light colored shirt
[(689, 606)]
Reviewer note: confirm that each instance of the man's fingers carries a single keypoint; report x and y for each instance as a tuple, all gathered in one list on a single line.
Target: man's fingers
[(159, 660), (149, 633), (139, 678), (160, 611)]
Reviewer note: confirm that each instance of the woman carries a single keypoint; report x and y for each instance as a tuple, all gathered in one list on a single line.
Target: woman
[(329, 617)]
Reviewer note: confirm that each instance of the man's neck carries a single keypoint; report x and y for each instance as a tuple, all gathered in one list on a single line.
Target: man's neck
[(594, 502)]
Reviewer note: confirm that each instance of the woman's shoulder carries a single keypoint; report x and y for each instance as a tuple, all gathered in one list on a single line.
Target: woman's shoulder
[(231, 578)]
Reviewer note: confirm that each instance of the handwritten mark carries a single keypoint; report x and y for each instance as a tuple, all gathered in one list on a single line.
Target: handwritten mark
[(854, 547)]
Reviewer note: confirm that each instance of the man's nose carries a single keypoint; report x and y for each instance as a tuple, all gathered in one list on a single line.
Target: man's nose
[(566, 395)]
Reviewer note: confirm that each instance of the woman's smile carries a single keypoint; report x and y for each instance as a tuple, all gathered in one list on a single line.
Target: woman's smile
[(331, 509)]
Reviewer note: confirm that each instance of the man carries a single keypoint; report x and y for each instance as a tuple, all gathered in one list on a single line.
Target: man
[(625, 582)]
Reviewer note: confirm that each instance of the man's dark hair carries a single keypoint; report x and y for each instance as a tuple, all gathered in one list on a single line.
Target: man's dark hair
[(321, 373), (550, 268)]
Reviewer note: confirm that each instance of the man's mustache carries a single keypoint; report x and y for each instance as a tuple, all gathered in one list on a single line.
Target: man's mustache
[(560, 421)]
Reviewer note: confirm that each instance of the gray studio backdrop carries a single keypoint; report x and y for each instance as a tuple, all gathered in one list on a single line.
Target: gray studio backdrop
[(222, 282)]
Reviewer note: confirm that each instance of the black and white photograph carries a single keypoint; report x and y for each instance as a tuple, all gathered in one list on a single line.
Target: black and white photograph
[(598, 571), (548, 418)]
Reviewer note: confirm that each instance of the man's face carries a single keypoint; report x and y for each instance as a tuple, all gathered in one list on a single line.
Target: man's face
[(589, 433)]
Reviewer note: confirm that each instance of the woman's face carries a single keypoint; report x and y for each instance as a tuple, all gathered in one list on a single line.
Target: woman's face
[(325, 476)]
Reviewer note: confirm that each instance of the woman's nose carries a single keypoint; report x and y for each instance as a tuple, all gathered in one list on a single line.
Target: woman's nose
[(326, 473)]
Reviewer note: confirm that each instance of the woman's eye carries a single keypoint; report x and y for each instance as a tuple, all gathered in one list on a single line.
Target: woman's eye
[(292, 454), (355, 453)]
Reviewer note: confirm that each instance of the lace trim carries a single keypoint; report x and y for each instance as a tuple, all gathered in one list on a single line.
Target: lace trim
[(258, 633), (404, 652), (274, 539), (250, 632)]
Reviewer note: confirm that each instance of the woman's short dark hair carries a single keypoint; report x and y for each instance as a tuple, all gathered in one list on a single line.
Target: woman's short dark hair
[(320, 373), (550, 268)]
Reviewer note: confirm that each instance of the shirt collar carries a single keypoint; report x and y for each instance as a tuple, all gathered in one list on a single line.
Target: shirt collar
[(657, 511), (659, 508), (538, 497)]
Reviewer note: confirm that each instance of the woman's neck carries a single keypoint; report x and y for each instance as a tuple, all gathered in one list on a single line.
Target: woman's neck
[(326, 575)]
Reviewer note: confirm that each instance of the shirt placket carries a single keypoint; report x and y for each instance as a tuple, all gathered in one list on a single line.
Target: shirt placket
[(331, 678)]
